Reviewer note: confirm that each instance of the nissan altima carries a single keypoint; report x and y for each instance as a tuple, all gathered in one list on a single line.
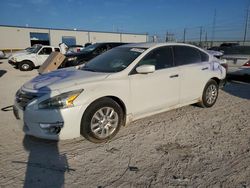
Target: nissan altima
[(121, 85)]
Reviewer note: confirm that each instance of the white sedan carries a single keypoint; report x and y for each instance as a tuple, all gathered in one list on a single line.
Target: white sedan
[(122, 85)]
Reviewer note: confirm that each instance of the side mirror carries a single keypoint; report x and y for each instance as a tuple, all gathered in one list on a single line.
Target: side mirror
[(145, 69)]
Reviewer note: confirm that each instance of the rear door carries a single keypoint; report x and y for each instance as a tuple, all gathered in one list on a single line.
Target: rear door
[(158, 90), (194, 72)]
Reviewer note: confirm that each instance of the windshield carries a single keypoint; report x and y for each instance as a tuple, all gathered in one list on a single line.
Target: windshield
[(35, 50), (114, 60), (90, 48)]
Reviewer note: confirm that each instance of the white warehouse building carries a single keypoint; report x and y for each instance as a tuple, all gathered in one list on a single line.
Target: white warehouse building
[(16, 38)]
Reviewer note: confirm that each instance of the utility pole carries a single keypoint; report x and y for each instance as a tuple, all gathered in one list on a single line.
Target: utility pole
[(167, 37), (184, 35), (213, 29), (206, 39), (246, 26), (200, 35)]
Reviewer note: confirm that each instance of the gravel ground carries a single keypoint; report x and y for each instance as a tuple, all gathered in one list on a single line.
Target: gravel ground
[(187, 147)]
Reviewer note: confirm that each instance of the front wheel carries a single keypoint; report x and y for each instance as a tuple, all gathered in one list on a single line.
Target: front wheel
[(25, 66), (102, 120), (210, 94)]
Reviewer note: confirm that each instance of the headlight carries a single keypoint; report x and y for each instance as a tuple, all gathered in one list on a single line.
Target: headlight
[(64, 100), (14, 59), (72, 58)]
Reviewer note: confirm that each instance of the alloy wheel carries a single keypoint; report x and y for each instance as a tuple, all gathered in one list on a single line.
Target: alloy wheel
[(211, 94), (104, 122)]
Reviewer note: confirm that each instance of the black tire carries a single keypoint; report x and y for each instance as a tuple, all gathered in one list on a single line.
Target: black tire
[(88, 118), (211, 89), (25, 66)]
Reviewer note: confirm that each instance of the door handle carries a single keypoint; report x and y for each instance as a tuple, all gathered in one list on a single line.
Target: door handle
[(204, 68), (174, 76)]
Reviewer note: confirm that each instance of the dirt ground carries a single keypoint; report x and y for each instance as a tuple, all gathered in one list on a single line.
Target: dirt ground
[(187, 147)]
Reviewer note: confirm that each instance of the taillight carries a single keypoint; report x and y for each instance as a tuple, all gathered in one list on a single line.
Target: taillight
[(247, 64)]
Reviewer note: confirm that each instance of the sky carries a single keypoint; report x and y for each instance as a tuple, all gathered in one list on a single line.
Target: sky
[(155, 17)]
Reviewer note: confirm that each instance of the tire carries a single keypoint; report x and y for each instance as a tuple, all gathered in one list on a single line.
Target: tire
[(25, 66), (210, 94), (102, 120)]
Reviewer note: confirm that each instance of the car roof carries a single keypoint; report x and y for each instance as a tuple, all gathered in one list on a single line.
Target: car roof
[(71, 46), (100, 43), (153, 44), (49, 46)]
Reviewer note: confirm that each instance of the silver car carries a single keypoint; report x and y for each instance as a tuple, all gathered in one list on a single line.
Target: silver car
[(238, 59)]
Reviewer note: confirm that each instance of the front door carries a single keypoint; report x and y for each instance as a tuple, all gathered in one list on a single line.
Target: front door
[(158, 90), (43, 54)]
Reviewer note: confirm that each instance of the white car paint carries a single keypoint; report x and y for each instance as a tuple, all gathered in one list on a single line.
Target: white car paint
[(36, 58), (142, 94), (22, 52), (2, 54)]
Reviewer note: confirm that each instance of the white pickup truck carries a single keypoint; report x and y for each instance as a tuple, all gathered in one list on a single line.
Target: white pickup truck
[(33, 58)]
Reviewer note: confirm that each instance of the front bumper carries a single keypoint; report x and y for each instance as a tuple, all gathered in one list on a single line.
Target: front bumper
[(70, 119), (12, 62)]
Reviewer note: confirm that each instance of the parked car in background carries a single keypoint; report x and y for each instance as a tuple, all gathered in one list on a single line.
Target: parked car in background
[(88, 53), (87, 44), (33, 58), (238, 59), (229, 44), (122, 85), (2, 54), (74, 49), (26, 50)]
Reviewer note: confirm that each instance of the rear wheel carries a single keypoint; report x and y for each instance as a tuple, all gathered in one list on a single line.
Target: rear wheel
[(210, 94), (102, 120), (25, 66)]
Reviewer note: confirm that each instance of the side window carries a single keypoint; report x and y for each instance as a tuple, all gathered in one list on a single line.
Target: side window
[(45, 51), (161, 58), (57, 50), (109, 46), (101, 50), (185, 55), (204, 57)]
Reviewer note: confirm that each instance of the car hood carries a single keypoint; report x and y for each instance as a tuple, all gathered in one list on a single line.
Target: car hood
[(62, 78), (17, 54)]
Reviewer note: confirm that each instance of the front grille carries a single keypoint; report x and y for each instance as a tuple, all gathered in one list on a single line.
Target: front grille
[(24, 98)]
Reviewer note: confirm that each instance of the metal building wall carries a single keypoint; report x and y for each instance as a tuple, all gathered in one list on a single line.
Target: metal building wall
[(56, 36), (102, 37), (14, 38), (17, 37)]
